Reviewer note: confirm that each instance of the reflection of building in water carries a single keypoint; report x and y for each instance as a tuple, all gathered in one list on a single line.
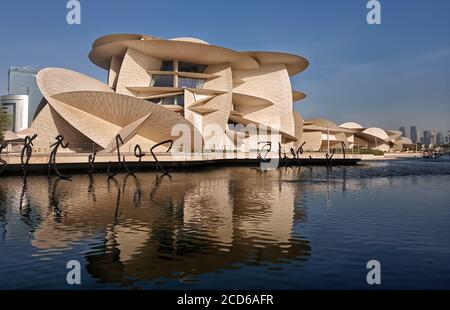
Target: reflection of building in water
[(191, 224)]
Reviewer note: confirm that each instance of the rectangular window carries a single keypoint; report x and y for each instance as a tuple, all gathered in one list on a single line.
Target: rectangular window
[(167, 65), (184, 82), (190, 67), (10, 110), (162, 80), (179, 100)]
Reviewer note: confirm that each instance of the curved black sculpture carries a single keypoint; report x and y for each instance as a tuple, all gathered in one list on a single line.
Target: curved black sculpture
[(52, 160), (158, 165), (294, 155), (2, 161), (121, 162), (27, 151), (329, 159), (139, 154), (343, 148), (91, 160), (266, 144), (119, 159)]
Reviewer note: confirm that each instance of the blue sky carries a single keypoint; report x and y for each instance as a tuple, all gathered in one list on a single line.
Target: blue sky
[(393, 74)]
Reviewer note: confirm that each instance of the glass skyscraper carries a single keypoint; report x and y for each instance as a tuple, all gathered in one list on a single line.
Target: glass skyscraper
[(22, 81), (414, 134)]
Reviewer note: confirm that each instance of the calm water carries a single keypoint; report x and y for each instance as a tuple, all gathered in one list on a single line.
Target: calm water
[(231, 228)]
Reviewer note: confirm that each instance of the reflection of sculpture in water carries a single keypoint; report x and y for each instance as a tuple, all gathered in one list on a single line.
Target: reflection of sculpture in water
[(158, 182), (52, 160), (199, 222), (91, 161), (158, 165), (91, 189), (27, 151), (137, 195), (119, 193), (228, 215), (55, 200)]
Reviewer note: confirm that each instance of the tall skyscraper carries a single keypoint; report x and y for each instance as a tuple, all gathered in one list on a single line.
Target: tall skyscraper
[(439, 138), (22, 81), (414, 134), (427, 137), (403, 131)]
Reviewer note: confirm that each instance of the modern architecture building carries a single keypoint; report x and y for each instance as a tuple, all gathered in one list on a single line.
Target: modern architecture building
[(413, 135), (22, 81), (403, 131), (157, 88), (377, 138), (16, 107), (324, 135)]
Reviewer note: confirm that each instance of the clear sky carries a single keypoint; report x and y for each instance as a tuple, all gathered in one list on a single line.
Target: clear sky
[(388, 75)]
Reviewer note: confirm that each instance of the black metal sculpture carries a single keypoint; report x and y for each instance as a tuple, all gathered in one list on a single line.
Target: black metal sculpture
[(139, 154), (158, 165), (121, 162), (2, 161), (265, 144), (52, 160), (343, 148), (91, 160), (27, 151), (329, 159), (119, 159)]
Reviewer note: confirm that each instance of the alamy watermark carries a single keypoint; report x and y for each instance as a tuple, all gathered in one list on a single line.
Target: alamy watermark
[(374, 275), (374, 15), (73, 276), (73, 16)]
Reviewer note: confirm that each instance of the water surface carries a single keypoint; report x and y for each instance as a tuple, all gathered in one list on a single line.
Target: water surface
[(231, 228)]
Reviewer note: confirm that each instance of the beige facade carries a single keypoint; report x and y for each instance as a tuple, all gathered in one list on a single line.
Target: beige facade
[(155, 85)]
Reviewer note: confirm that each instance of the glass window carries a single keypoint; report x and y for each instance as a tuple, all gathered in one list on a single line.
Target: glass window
[(190, 67), (167, 65), (10, 110), (184, 82), (162, 80), (179, 100)]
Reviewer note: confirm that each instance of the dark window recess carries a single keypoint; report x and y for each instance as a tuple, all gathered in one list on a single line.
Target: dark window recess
[(179, 100), (190, 67), (231, 122), (167, 65), (162, 80), (184, 82)]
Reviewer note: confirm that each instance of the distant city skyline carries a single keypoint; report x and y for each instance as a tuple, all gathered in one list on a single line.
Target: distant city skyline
[(426, 135), (377, 75)]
